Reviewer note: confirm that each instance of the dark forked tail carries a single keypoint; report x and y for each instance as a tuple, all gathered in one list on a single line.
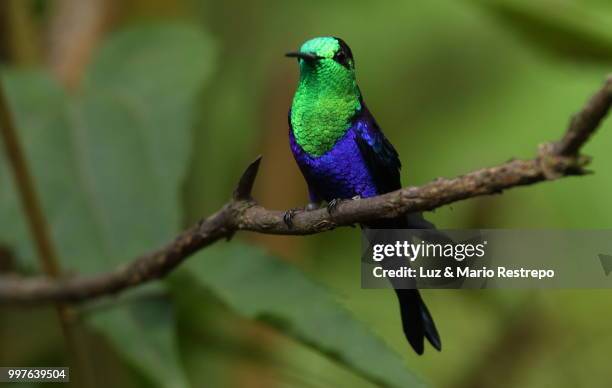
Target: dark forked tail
[(417, 322)]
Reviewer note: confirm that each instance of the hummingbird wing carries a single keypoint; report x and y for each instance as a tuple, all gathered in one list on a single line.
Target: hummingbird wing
[(383, 163), (379, 154)]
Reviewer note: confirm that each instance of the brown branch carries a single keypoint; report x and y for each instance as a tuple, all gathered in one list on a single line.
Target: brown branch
[(242, 213), (584, 123)]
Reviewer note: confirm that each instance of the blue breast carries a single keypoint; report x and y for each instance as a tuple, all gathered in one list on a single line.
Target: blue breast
[(342, 172)]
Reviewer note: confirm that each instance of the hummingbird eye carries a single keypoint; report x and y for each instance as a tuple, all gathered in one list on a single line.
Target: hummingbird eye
[(341, 58)]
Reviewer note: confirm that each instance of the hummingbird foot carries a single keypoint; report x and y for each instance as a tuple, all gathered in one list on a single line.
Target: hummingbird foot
[(289, 214), (332, 205)]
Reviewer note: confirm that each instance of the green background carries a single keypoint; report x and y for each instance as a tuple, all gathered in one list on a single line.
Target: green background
[(138, 117)]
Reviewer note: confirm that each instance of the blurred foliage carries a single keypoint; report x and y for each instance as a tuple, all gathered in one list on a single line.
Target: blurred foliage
[(566, 29), (142, 331), (263, 288), (168, 115), (110, 162)]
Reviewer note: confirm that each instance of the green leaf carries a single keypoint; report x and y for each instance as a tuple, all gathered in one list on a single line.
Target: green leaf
[(109, 164), (261, 287), (143, 325)]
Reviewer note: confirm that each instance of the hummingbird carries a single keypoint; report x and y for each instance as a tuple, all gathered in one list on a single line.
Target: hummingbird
[(343, 154)]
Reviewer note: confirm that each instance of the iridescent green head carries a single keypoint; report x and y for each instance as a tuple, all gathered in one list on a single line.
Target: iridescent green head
[(326, 51), (327, 97)]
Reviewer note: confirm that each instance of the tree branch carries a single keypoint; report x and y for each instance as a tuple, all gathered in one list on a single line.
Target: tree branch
[(553, 161)]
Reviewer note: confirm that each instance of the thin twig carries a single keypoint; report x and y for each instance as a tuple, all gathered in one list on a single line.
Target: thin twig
[(25, 186), (35, 219), (242, 213), (584, 124)]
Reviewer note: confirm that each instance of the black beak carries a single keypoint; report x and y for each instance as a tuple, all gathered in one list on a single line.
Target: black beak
[(304, 56)]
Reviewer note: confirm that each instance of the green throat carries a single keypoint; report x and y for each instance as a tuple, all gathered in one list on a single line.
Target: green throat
[(326, 100)]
